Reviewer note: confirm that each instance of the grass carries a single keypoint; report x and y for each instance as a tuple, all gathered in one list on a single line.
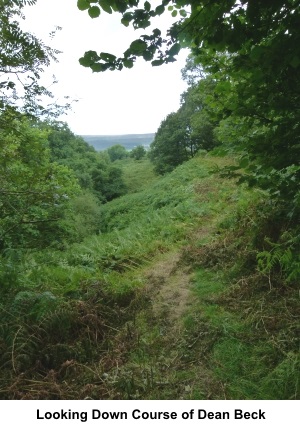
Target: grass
[(238, 348), (165, 302), (138, 174)]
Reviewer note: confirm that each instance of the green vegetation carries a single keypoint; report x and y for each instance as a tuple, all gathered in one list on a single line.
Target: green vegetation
[(117, 152), (178, 250), (186, 132), (117, 283), (137, 174), (138, 152), (94, 171), (248, 97)]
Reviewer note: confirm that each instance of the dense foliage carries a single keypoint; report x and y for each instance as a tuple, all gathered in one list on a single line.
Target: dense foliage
[(138, 152), (34, 191), (239, 44), (187, 286), (130, 303), (250, 52), (44, 167), (94, 171), (23, 58), (117, 152), (185, 132)]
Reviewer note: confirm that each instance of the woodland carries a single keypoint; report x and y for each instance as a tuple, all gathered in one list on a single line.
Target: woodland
[(168, 273)]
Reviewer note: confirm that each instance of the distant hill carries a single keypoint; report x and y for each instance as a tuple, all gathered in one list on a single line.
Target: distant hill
[(129, 141)]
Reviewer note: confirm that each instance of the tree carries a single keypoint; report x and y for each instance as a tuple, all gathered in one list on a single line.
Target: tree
[(23, 58), (71, 151), (150, 47), (138, 152), (34, 193), (183, 133), (94, 170), (117, 152), (108, 182), (170, 145), (251, 48), (229, 25)]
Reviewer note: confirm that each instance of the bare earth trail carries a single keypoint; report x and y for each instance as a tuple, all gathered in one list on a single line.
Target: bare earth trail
[(163, 364), (169, 280)]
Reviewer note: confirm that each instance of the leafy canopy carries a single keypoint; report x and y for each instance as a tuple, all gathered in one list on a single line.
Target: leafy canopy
[(138, 152), (251, 50), (94, 170), (34, 192), (184, 133), (229, 25), (117, 152), (23, 58)]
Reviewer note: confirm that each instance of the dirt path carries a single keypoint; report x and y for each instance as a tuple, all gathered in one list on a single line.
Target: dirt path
[(169, 282)]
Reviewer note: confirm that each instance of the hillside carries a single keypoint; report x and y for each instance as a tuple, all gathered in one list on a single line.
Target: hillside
[(164, 303), (171, 273), (129, 141)]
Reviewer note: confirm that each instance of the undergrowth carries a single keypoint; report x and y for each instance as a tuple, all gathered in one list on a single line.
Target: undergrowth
[(138, 174), (252, 302), (86, 321)]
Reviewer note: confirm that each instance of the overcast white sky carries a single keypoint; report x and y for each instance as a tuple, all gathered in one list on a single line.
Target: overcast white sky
[(130, 101)]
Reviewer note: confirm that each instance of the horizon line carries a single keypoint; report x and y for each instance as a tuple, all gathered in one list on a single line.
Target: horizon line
[(121, 134)]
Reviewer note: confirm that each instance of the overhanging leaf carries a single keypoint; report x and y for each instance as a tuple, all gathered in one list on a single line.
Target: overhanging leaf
[(97, 68), (128, 64), (89, 58), (138, 46), (156, 32), (127, 18), (147, 6), (148, 55), (107, 57), (174, 50), (94, 11), (83, 4), (85, 62), (121, 6), (105, 6), (160, 10), (157, 63)]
